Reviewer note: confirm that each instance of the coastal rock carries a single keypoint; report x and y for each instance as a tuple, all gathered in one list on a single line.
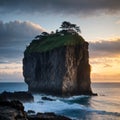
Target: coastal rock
[(47, 116), (21, 96), (30, 112), (14, 110), (47, 98), (63, 70)]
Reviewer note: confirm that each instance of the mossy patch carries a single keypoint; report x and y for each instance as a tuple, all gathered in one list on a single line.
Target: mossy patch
[(50, 42)]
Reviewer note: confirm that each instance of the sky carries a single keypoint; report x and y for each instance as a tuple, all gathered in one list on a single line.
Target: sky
[(99, 21)]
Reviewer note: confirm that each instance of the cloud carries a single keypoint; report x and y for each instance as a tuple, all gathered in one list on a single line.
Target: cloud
[(118, 22), (98, 77), (19, 29), (14, 36), (105, 48), (63, 6), (107, 65), (14, 77)]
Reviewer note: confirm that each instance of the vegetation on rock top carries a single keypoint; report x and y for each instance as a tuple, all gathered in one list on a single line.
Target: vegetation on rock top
[(68, 36)]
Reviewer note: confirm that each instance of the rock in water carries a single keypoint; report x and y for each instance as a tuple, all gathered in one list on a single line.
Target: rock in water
[(58, 65), (21, 96), (14, 110)]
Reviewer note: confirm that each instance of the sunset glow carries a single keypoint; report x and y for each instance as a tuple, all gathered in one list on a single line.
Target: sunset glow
[(99, 22), (105, 69)]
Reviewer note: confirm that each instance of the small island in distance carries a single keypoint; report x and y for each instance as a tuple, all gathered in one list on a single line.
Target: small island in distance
[(58, 63)]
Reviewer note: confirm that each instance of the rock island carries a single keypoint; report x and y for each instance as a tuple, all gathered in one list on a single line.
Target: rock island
[(58, 63)]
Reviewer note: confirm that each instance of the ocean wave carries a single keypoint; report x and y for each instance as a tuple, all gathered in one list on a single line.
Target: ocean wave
[(73, 107)]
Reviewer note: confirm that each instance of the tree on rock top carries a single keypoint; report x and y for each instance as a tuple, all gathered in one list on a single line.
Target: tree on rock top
[(69, 27)]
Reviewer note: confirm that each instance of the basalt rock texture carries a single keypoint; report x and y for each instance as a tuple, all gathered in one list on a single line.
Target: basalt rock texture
[(63, 70), (14, 110), (21, 96)]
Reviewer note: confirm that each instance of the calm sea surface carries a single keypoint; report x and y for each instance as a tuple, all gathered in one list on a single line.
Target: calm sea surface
[(105, 106)]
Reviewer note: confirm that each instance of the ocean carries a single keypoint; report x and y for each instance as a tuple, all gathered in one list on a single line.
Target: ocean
[(105, 106)]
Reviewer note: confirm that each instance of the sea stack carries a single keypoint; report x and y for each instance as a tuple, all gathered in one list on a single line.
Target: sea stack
[(58, 64)]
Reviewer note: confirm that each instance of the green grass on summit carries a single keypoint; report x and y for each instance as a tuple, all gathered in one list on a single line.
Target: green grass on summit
[(50, 42)]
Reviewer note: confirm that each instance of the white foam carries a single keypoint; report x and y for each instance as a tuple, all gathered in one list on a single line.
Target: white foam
[(53, 106), (64, 106)]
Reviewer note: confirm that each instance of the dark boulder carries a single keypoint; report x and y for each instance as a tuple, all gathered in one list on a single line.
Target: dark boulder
[(14, 104), (14, 110), (47, 98), (30, 112), (21, 96), (47, 116)]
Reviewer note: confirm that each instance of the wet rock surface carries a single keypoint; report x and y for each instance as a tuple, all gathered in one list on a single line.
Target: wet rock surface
[(47, 116), (47, 98), (21, 96), (14, 110)]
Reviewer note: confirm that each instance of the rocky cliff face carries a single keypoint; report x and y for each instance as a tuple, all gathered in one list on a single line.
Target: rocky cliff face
[(61, 71)]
